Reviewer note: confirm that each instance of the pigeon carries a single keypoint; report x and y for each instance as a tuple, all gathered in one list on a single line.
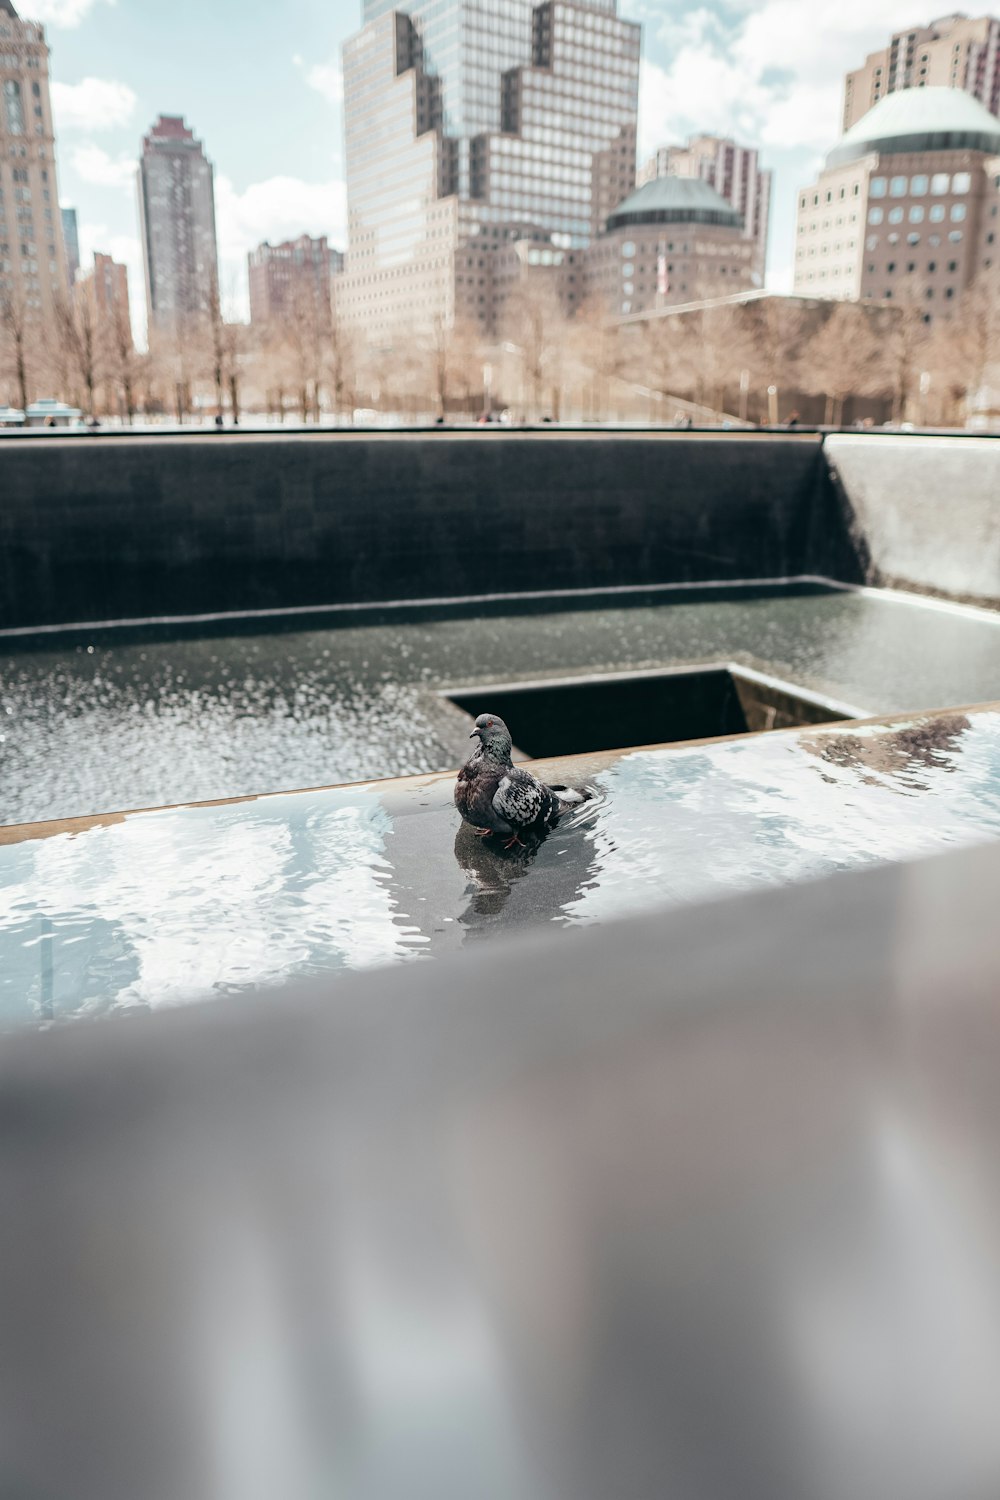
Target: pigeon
[(495, 796)]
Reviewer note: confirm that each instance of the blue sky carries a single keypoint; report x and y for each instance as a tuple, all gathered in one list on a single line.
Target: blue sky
[(259, 81)]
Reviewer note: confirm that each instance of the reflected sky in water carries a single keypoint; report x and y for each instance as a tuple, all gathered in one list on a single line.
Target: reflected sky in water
[(168, 907), (117, 725)]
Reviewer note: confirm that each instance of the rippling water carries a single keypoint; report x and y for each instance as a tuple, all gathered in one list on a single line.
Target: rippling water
[(117, 725), (167, 907)]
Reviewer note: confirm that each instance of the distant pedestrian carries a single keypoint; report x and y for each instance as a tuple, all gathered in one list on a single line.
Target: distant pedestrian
[(793, 421)]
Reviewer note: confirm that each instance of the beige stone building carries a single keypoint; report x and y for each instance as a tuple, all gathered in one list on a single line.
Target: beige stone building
[(907, 205), (954, 52), (672, 241), (33, 274), (734, 171), (103, 290)]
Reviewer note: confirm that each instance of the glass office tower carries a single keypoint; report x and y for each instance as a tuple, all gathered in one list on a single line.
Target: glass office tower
[(469, 123)]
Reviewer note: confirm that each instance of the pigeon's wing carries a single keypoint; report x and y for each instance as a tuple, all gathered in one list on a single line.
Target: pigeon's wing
[(519, 799)]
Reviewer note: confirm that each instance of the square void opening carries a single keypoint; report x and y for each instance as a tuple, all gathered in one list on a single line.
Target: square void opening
[(614, 712)]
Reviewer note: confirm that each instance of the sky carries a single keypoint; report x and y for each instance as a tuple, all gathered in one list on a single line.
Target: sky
[(259, 82)]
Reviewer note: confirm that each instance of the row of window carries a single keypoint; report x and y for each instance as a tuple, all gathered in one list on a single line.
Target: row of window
[(918, 186), (954, 237), (917, 214)]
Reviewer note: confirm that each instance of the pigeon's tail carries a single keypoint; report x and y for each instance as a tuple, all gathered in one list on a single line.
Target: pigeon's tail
[(568, 797)]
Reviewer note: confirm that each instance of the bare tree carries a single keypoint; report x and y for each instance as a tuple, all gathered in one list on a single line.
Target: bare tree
[(905, 345), (961, 350), (536, 324), (776, 327), (80, 340), (719, 346), (843, 359), (15, 334), (122, 361)]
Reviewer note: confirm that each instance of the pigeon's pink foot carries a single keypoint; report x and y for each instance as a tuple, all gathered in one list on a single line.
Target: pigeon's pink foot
[(515, 842), (482, 833)]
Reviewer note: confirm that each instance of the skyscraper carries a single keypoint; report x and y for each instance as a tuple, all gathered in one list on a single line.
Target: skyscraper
[(33, 276), (71, 239), (177, 219), (954, 52), (471, 123), (735, 173)]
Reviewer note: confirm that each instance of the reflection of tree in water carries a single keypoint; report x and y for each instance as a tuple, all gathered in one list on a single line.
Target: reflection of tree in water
[(931, 743), (525, 887)]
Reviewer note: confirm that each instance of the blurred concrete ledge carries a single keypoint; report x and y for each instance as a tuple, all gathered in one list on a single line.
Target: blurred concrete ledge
[(701, 1204)]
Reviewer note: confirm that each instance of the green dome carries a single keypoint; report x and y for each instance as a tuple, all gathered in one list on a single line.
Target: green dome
[(928, 119), (675, 200)]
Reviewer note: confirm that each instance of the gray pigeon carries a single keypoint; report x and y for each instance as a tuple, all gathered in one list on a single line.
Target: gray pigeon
[(496, 796)]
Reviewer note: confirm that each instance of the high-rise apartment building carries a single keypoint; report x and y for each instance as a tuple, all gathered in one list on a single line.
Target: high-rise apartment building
[(71, 239), (103, 290), (33, 277), (907, 206), (292, 278), (954, 52), (734, 172), (177, 219), (470, 124)]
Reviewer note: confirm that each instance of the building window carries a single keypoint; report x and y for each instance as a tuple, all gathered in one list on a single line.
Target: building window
[(14, 106), (891, 267), (878, 187), (955, 236), (949, 293), (919, 186), (913, 239), (872, 242), (940, 183), (916, 214), (953, 265), (895, 216), (932, 266), (898, 187), (957, 213), (961, 182), (876, 216), (628, 250), (937, 213)]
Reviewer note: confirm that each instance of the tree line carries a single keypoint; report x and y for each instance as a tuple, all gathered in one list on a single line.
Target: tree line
[(750, 360)]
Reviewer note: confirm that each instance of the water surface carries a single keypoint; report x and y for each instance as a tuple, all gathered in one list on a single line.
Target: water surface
[(174, 906)]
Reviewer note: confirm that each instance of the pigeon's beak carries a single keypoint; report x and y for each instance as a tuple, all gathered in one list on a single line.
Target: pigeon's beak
[(474, 735)]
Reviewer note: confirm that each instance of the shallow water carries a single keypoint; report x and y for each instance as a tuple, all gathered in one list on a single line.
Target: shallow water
[(111, 725), (169, 907)]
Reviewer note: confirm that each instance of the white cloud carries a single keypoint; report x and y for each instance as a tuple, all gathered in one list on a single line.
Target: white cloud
[(66, 13), (280, 208), (94, 165), (92, 104), (773, 76), (326, 78)]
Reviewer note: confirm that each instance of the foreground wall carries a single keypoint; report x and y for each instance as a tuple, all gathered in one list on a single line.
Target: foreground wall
[(136, 527), (928, 509)]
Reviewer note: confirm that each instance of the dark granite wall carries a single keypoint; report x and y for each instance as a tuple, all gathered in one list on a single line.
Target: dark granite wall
[(112, 528)]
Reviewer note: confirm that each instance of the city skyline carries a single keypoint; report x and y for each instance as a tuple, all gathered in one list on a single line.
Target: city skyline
[(758, 72)]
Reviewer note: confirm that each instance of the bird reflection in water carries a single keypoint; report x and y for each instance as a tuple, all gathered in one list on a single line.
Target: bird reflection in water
[(526, 887)]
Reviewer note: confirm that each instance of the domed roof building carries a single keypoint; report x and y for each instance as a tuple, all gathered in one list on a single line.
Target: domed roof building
[(674, 240), (907, 205)]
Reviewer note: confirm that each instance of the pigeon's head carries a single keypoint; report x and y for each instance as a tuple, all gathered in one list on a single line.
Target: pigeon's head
[(493, 734)]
